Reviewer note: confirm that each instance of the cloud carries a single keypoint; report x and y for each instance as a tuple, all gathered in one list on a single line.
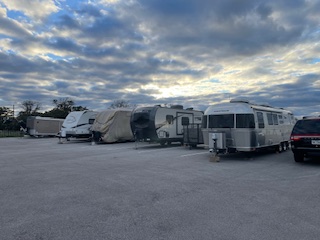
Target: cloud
[(193, 53), (226, 27), (35, 9)]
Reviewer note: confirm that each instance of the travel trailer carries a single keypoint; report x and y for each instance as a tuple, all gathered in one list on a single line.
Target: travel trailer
[(244, 126), (112, 125), (162, 124), (43, 126), (77, 124)]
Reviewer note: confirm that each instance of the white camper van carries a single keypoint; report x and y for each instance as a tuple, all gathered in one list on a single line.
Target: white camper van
[(112, 125), (77, 124), (162, 124), (43, 126), (244, 126)]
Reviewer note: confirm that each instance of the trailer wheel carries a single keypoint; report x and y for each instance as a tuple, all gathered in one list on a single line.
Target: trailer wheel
[(162, 143)]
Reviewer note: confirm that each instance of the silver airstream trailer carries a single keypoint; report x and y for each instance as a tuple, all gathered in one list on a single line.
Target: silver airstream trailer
[(242, 126)]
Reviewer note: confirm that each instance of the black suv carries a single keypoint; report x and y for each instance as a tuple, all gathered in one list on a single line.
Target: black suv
[(305, 137)]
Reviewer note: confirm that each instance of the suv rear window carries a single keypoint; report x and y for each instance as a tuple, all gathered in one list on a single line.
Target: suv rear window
[(310, 126)]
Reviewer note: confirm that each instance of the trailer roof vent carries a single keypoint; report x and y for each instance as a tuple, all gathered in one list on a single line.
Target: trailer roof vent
[(239, 100), (265, 105), (191, 108), (177, 106)]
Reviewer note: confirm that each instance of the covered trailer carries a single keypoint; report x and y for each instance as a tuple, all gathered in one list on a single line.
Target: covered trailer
[(163, 124), (112, 125), (77, 124), (43, 126), (244, 126)]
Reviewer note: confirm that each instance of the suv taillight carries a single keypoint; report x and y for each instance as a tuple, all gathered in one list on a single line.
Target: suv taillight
[(295, 138)]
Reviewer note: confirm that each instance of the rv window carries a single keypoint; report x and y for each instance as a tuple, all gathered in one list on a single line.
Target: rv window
[(275, 119), (221, 121), (169, 119), (260, 119), (245, 121), (185, 121), (269, 117), (197, 119), (280, 119), (91, 121), (204, 121)]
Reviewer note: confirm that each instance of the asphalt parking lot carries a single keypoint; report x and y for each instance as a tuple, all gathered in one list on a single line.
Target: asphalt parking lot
[(113, 191)]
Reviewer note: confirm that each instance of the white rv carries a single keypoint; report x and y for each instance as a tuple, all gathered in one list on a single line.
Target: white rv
[(162, 124), (77, 124), (43, 126), (112, 125), (246, 127)]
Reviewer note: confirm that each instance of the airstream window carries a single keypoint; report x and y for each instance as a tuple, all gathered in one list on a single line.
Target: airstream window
[(245, 121), (204, 121), (260, 119), (169, 119), (280, 119), (270, 119), (91, 121), (221, 121), (275, 119)]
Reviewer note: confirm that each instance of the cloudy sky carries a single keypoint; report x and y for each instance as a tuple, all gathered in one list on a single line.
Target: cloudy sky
[(189, 52)]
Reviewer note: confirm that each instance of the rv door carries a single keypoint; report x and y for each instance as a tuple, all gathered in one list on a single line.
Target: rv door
[(183, 119)]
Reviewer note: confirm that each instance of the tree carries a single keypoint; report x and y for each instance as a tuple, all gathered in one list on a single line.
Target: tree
[(5, 115), (7, 119), (63, 107), (30, 108), (120, 104), (79, 108), (64, 104)]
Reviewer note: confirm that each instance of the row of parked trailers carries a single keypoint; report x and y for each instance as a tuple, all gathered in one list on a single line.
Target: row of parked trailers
[(236, 126)]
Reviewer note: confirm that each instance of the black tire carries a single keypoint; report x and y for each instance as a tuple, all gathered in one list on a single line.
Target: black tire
[(298, 157), (162, 143)]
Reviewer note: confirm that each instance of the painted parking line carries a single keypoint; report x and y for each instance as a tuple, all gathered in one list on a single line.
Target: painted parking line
[(194, 154), (158, 149)]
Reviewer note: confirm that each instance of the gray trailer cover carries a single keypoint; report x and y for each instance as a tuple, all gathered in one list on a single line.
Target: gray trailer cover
[(114, 125)]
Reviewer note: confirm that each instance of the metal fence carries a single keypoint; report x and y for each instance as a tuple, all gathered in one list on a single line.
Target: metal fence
[(8, 133)]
